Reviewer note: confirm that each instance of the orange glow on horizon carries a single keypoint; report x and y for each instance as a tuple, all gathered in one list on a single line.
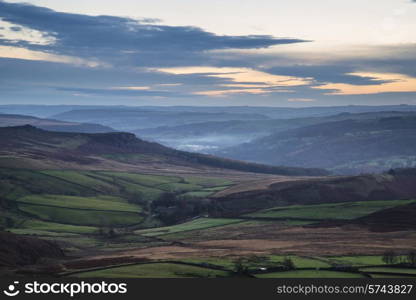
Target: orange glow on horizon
[(398, 83)]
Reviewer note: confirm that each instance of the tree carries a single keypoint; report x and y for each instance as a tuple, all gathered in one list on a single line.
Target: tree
[(240, 266), (112, 233), (411, 258), (389, 257), (164, 200), (288, 263), (10, 223)]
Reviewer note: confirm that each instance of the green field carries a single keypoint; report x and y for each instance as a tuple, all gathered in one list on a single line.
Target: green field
[(80, 217), (390, 276), (309, 274), (155, 270), (199, 194), (359, 260), (16, 184), (143, 179), (80, 207), (200, 223), (86, 203), (344, 211), (32, 224), (301, 262), (19, 183), (389, 270), (136, 190), (84, 179), (178, 187), (99, 190), (262, 261), (208, 181)]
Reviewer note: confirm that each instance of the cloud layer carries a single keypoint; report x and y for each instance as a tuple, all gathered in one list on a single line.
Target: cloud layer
[(114, 38), (46, 54)]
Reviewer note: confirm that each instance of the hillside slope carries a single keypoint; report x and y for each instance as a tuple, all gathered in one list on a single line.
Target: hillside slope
[(213, 136), (30, 147), (7, 120), (21, 250), (349, 146), (397, 184), (134, 118)]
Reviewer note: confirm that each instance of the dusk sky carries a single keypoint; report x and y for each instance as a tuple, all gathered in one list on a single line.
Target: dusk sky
[(234, 52)]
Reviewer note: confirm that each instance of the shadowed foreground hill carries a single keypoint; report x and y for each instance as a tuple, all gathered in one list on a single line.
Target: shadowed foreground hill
[(30, 147), (18, 250), (392, 219), (396, 184), (398, 218)]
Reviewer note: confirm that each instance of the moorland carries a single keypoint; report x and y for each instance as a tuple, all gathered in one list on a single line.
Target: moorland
[(80, 197)]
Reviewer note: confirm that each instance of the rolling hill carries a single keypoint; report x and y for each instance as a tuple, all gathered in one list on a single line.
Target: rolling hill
[(21, 250), (396, 184), (111, 204), (346, 147), (30, 147), (134, 118), (47, 111), (8, 120), (114, 205), (210, 137)]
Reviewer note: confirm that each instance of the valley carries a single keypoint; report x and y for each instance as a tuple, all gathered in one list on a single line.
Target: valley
[(212, 139), (114, 205)]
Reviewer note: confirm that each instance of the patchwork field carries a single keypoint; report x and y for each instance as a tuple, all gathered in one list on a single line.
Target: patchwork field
[(83, 208), (253, 266), (122, 224)]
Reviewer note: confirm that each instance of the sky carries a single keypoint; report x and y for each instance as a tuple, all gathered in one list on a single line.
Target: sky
[(182, 52)]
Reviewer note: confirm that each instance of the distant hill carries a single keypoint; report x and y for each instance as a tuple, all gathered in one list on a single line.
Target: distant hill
[(46, 111), (30, 147), (213, 136), (348, 146), (7, 120), (134, 118)]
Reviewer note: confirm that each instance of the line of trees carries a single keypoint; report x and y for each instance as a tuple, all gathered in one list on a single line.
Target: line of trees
[(242, 265), (391, 258), (172, 209)]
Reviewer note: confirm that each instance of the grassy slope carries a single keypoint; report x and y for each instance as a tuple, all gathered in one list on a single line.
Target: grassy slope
[(309, 274), (266, 261), (348, 146), (350, 210), (361, 260), (389, 270), (93, 203), (81, 217), (68, 204), (201, 223), (163, 270), (78, 150)]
